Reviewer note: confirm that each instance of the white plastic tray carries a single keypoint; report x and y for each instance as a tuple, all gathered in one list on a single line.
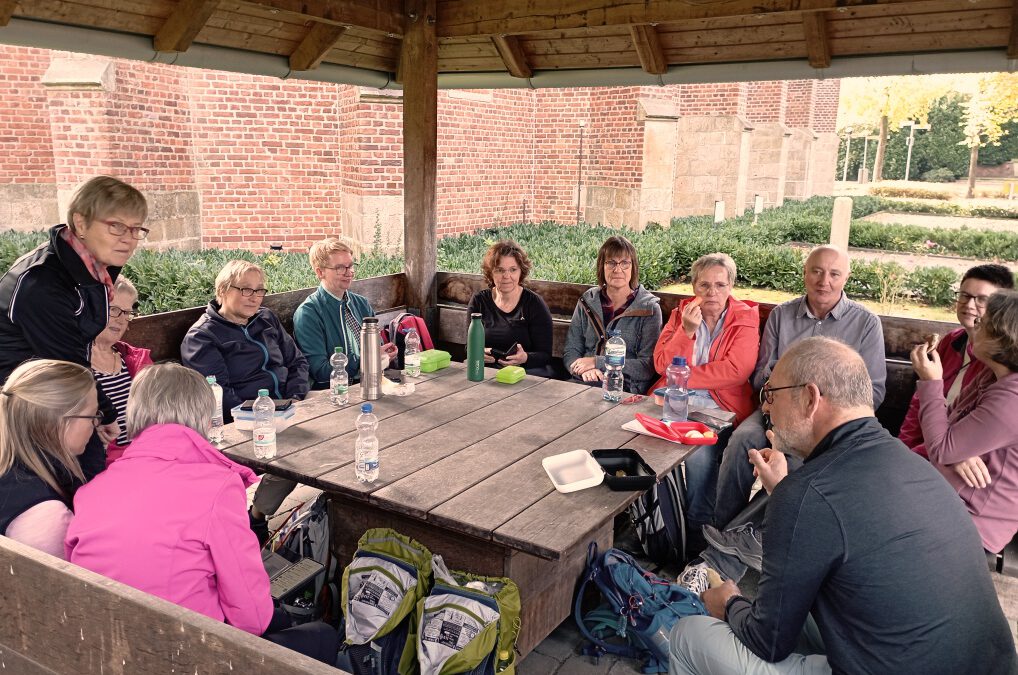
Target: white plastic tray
[(573, 470)]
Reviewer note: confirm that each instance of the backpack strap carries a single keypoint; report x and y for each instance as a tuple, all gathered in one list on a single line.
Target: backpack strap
[(598, 323), (594, 569)]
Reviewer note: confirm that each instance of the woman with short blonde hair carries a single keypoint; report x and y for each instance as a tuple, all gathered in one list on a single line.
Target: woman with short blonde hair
[(48, 412), (233, 275), (170, 516)]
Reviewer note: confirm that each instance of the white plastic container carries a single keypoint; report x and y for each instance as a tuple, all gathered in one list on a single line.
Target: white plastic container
[(573, 470)]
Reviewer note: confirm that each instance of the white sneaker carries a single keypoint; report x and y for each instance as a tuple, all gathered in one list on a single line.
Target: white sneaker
[(695, 578)]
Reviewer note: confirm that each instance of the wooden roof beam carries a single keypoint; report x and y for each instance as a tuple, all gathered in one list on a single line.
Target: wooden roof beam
[(648, 48), (316, 44), (515, 60), (818, 46), (377, 16), (7, 8), (466, 18), (183, 25), (1012, 42)]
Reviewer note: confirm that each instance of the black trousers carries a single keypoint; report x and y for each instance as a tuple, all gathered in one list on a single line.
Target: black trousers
[(316, 639)]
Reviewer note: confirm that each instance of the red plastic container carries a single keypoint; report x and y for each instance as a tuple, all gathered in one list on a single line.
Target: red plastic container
[(676, 431)]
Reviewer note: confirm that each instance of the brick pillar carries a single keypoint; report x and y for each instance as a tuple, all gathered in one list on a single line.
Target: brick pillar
[(80, 97)]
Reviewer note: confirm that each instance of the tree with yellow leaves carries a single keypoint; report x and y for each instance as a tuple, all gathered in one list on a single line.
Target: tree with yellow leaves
[(994, 104)]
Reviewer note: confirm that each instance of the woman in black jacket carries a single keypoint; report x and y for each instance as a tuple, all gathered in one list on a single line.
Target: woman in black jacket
[(55, 300)]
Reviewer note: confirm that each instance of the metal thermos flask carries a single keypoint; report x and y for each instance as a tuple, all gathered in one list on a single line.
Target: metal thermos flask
[(371, 360)]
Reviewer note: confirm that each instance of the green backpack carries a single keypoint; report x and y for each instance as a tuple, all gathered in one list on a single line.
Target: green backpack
[(383, 585), (468, 624)]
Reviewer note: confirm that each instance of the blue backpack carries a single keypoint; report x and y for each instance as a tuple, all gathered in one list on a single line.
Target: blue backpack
[(639, 607)]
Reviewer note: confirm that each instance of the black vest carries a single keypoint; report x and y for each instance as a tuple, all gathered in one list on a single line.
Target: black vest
[(20, 490)]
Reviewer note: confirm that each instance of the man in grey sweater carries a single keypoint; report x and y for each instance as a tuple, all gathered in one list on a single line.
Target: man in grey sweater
[(871, 563), (824, 310)]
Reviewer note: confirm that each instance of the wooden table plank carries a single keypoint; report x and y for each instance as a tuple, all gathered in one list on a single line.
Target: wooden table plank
[(443, 479), (483, 508), (331, 462)]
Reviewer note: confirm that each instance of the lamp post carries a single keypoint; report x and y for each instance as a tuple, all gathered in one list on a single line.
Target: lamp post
[(912, 127), (848, 151), (579, 172)]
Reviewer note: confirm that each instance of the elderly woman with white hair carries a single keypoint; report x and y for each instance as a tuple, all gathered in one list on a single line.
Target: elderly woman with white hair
[(242, 343), (170, 516), (719, 335)]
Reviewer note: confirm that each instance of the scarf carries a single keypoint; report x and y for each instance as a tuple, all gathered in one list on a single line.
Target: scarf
[(94, 267)]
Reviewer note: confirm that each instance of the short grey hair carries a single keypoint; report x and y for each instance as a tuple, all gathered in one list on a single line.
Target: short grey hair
[(705, 262), (231, 273), (124, 285), (169, 393), (834, 367)]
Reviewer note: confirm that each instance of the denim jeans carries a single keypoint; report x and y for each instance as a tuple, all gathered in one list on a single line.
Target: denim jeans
[(735, 478)]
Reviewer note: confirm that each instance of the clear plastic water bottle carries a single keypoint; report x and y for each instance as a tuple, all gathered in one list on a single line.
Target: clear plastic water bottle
[(412, 353), (614, 361), (339, 381), (366, 447), (216, 430), (264, 426), (676, 408)]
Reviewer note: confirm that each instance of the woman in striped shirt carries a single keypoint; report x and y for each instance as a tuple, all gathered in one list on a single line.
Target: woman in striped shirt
[(115, 363)]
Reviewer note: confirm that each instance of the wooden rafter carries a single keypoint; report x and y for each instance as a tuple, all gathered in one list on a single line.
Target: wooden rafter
[(379, 16), (471, 18), (1012, 41), (7, 8), (818, 47), (183, 25), (515, 60), (648, 48), (316, 44)]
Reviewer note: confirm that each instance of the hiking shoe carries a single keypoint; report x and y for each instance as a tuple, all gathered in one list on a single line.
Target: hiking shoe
[(695, 578), (260, 526), (743, 542)]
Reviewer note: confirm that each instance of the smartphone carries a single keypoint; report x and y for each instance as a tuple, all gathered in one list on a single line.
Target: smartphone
[(281, 404), (501, 355)]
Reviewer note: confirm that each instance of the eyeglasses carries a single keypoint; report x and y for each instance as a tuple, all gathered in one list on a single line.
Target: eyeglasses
[(97, 419), (767, 393), (706, 286), (343, 269), (512, 271), (119, 229), (963, 299), (613, 264), (248, 292), (117, 312)]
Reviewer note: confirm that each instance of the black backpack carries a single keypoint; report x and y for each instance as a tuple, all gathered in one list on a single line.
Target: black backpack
[(658, 518)]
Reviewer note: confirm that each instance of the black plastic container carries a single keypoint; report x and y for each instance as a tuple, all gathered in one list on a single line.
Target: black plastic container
[(636, 474)]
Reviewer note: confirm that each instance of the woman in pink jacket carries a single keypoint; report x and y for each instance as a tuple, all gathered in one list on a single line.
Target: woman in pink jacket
[(170, 516), (978, 434)]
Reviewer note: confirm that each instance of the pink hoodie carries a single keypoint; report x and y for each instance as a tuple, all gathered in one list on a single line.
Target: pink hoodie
[(170, 518)]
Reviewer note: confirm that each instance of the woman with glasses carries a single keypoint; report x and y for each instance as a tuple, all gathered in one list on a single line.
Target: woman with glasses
[(55, 300), (48, 413), (974, 443), (168, 517), (719, 335), (115, 363), (242, 343), (961, 370), (618, 302), (511, 313)]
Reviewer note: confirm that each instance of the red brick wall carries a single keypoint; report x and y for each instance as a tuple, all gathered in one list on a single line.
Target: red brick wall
[(765, 101), (702, 100), (824, 117), (26, 146), (800, 103)]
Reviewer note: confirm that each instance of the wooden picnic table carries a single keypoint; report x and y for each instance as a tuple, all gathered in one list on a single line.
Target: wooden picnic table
[(460, 471)]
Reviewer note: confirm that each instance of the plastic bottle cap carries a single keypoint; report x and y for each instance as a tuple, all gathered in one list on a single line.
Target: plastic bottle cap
[(339, 350), (211, 379), (365, 407), (503, 655), (678, 360), (476, 315), (263, 392)]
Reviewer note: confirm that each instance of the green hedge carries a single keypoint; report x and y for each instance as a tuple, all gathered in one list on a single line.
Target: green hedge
[(175, 279)]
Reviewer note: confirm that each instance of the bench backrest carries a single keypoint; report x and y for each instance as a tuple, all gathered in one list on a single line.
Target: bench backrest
[(900, 334), (163, 333), (59, 618)]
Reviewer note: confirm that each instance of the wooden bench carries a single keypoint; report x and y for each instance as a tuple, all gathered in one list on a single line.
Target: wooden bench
[(900, 334), (58, 618)]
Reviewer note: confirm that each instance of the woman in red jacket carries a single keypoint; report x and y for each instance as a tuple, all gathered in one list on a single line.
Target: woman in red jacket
[(720, 336)]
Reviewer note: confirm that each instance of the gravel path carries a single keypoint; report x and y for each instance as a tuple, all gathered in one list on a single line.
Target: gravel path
[(945, 222)]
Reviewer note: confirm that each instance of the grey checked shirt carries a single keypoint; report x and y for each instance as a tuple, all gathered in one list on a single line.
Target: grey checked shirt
[(849, 322)]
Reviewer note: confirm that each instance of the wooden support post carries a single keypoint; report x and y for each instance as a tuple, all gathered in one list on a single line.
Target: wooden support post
[(648, 48), (419, 71), (515, 60), (7, 8), (1012, 41), (818, 47), (841, 222), (316, 44), (183, 25)]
